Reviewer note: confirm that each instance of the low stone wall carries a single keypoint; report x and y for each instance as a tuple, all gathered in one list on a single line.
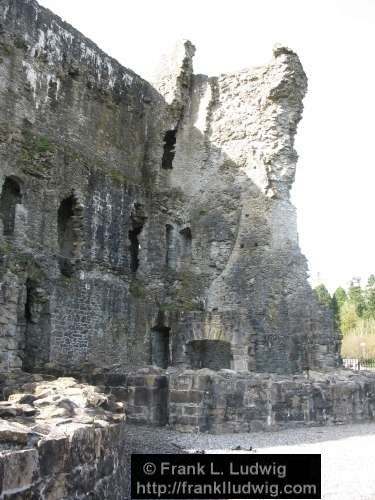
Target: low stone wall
[(227, 401), (146, 398)]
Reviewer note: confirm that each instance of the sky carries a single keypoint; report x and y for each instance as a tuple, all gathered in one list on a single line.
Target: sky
[(335, 180)]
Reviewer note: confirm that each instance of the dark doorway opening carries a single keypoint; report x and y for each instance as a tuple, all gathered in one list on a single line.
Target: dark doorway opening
[(160, 346), (169, 149), (69, 225), (10, 197), (209, 353)]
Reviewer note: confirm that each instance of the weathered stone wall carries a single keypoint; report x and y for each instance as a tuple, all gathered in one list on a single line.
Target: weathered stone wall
[(235, 164), (227, 401), (73, 122), (145, 210), (233, 402)]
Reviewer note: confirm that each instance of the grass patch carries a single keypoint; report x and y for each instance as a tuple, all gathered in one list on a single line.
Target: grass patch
[(36, 155), (5, 247), (137, 290)]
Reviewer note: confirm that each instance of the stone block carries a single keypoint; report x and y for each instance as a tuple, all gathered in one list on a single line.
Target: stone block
[(54, 456), (177, 396), (19, 469), (83, 447)]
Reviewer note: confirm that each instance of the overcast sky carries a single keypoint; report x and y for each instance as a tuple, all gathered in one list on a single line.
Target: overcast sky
[(334, 189)]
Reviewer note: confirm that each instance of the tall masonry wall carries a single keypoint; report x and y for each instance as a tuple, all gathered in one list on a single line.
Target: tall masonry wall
[(137, 218)]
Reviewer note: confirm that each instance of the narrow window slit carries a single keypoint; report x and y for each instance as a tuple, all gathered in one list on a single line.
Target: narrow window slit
[(170, 257), (28, 303), (134, 248)]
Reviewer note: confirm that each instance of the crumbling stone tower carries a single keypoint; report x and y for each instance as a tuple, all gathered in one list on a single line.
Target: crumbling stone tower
[(148, 224)]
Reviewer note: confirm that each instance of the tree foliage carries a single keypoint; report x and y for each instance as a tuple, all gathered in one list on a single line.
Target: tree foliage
[(323, 295), (338, 299), (369, 296), (354, 315), (356, 296), (348, 317)]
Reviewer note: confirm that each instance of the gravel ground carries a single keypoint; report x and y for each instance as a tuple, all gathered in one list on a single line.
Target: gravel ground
[(348, 452)]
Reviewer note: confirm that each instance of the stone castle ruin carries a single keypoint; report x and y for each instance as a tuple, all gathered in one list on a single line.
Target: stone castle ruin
[(147, 239)]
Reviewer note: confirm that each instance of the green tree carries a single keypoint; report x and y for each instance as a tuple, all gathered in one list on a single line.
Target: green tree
[(370, 298), (356, 296), (338, 300), (348, 318), (340, 296), (323, 295)]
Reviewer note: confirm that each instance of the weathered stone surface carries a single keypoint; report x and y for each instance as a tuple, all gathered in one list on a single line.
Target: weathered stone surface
[(69, 445), (19, 469), (138, 218), (244, 402)]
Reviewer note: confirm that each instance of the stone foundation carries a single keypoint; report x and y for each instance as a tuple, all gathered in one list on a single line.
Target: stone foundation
[(228, 401)]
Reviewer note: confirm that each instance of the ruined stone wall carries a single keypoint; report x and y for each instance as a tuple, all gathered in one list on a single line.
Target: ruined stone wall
[(235, 164), (74, 123), (226, 401), (134, 213)]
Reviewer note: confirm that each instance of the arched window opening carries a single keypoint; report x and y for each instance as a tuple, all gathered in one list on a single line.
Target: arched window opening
[(160, 346), (169, 149), (69, 222), (10, 197)]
